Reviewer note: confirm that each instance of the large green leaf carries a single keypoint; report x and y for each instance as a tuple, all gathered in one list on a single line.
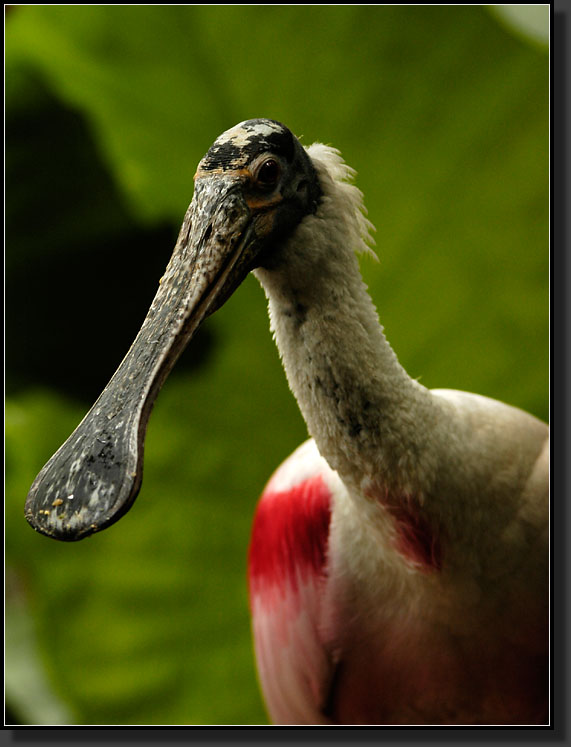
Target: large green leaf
[(444, 114)]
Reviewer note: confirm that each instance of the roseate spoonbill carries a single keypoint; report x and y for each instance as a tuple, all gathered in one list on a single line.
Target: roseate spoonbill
[(398, 567)]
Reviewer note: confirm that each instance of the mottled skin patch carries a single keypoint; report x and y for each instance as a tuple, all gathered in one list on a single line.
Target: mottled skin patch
[(238, 146)]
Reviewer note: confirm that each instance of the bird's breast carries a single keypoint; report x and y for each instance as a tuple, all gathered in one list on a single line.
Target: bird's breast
[(404, 674)]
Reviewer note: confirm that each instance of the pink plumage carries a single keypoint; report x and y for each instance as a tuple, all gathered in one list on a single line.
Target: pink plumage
[(325, 657), (286, 574), (289, 536)]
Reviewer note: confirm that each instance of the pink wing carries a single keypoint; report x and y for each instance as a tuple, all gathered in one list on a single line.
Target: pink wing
[(287, 581)]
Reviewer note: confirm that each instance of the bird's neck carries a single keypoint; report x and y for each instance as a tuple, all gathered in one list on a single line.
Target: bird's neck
[(361, 407)]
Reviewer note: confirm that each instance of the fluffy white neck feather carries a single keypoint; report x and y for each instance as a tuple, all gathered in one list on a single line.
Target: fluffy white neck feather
[(360, 405)]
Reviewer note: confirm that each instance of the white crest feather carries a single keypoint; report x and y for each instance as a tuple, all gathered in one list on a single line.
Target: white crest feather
[(328, 160)]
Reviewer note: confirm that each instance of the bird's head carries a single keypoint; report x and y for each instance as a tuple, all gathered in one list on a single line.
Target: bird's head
[(253, 187)]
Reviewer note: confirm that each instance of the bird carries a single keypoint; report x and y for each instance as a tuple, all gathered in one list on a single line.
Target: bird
[(398, 565)]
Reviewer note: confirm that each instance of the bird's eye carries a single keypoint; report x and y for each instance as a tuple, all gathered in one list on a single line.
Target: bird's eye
[(268, 173)]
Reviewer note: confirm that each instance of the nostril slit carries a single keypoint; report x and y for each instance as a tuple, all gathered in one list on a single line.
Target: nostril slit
[(302, 185), (208, 232)]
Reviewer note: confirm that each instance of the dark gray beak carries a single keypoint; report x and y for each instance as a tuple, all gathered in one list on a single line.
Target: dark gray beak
[(94, 478)]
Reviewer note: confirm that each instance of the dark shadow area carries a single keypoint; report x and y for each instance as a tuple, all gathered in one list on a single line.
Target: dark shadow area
[(80, 272)]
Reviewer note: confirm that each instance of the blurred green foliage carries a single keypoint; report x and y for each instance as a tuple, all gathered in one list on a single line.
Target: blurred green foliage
[(444, 114)]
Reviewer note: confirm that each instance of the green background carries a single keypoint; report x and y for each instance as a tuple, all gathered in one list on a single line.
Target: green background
[(442, 110)]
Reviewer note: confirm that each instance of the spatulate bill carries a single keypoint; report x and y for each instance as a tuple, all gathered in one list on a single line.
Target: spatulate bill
[(94, 478)]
